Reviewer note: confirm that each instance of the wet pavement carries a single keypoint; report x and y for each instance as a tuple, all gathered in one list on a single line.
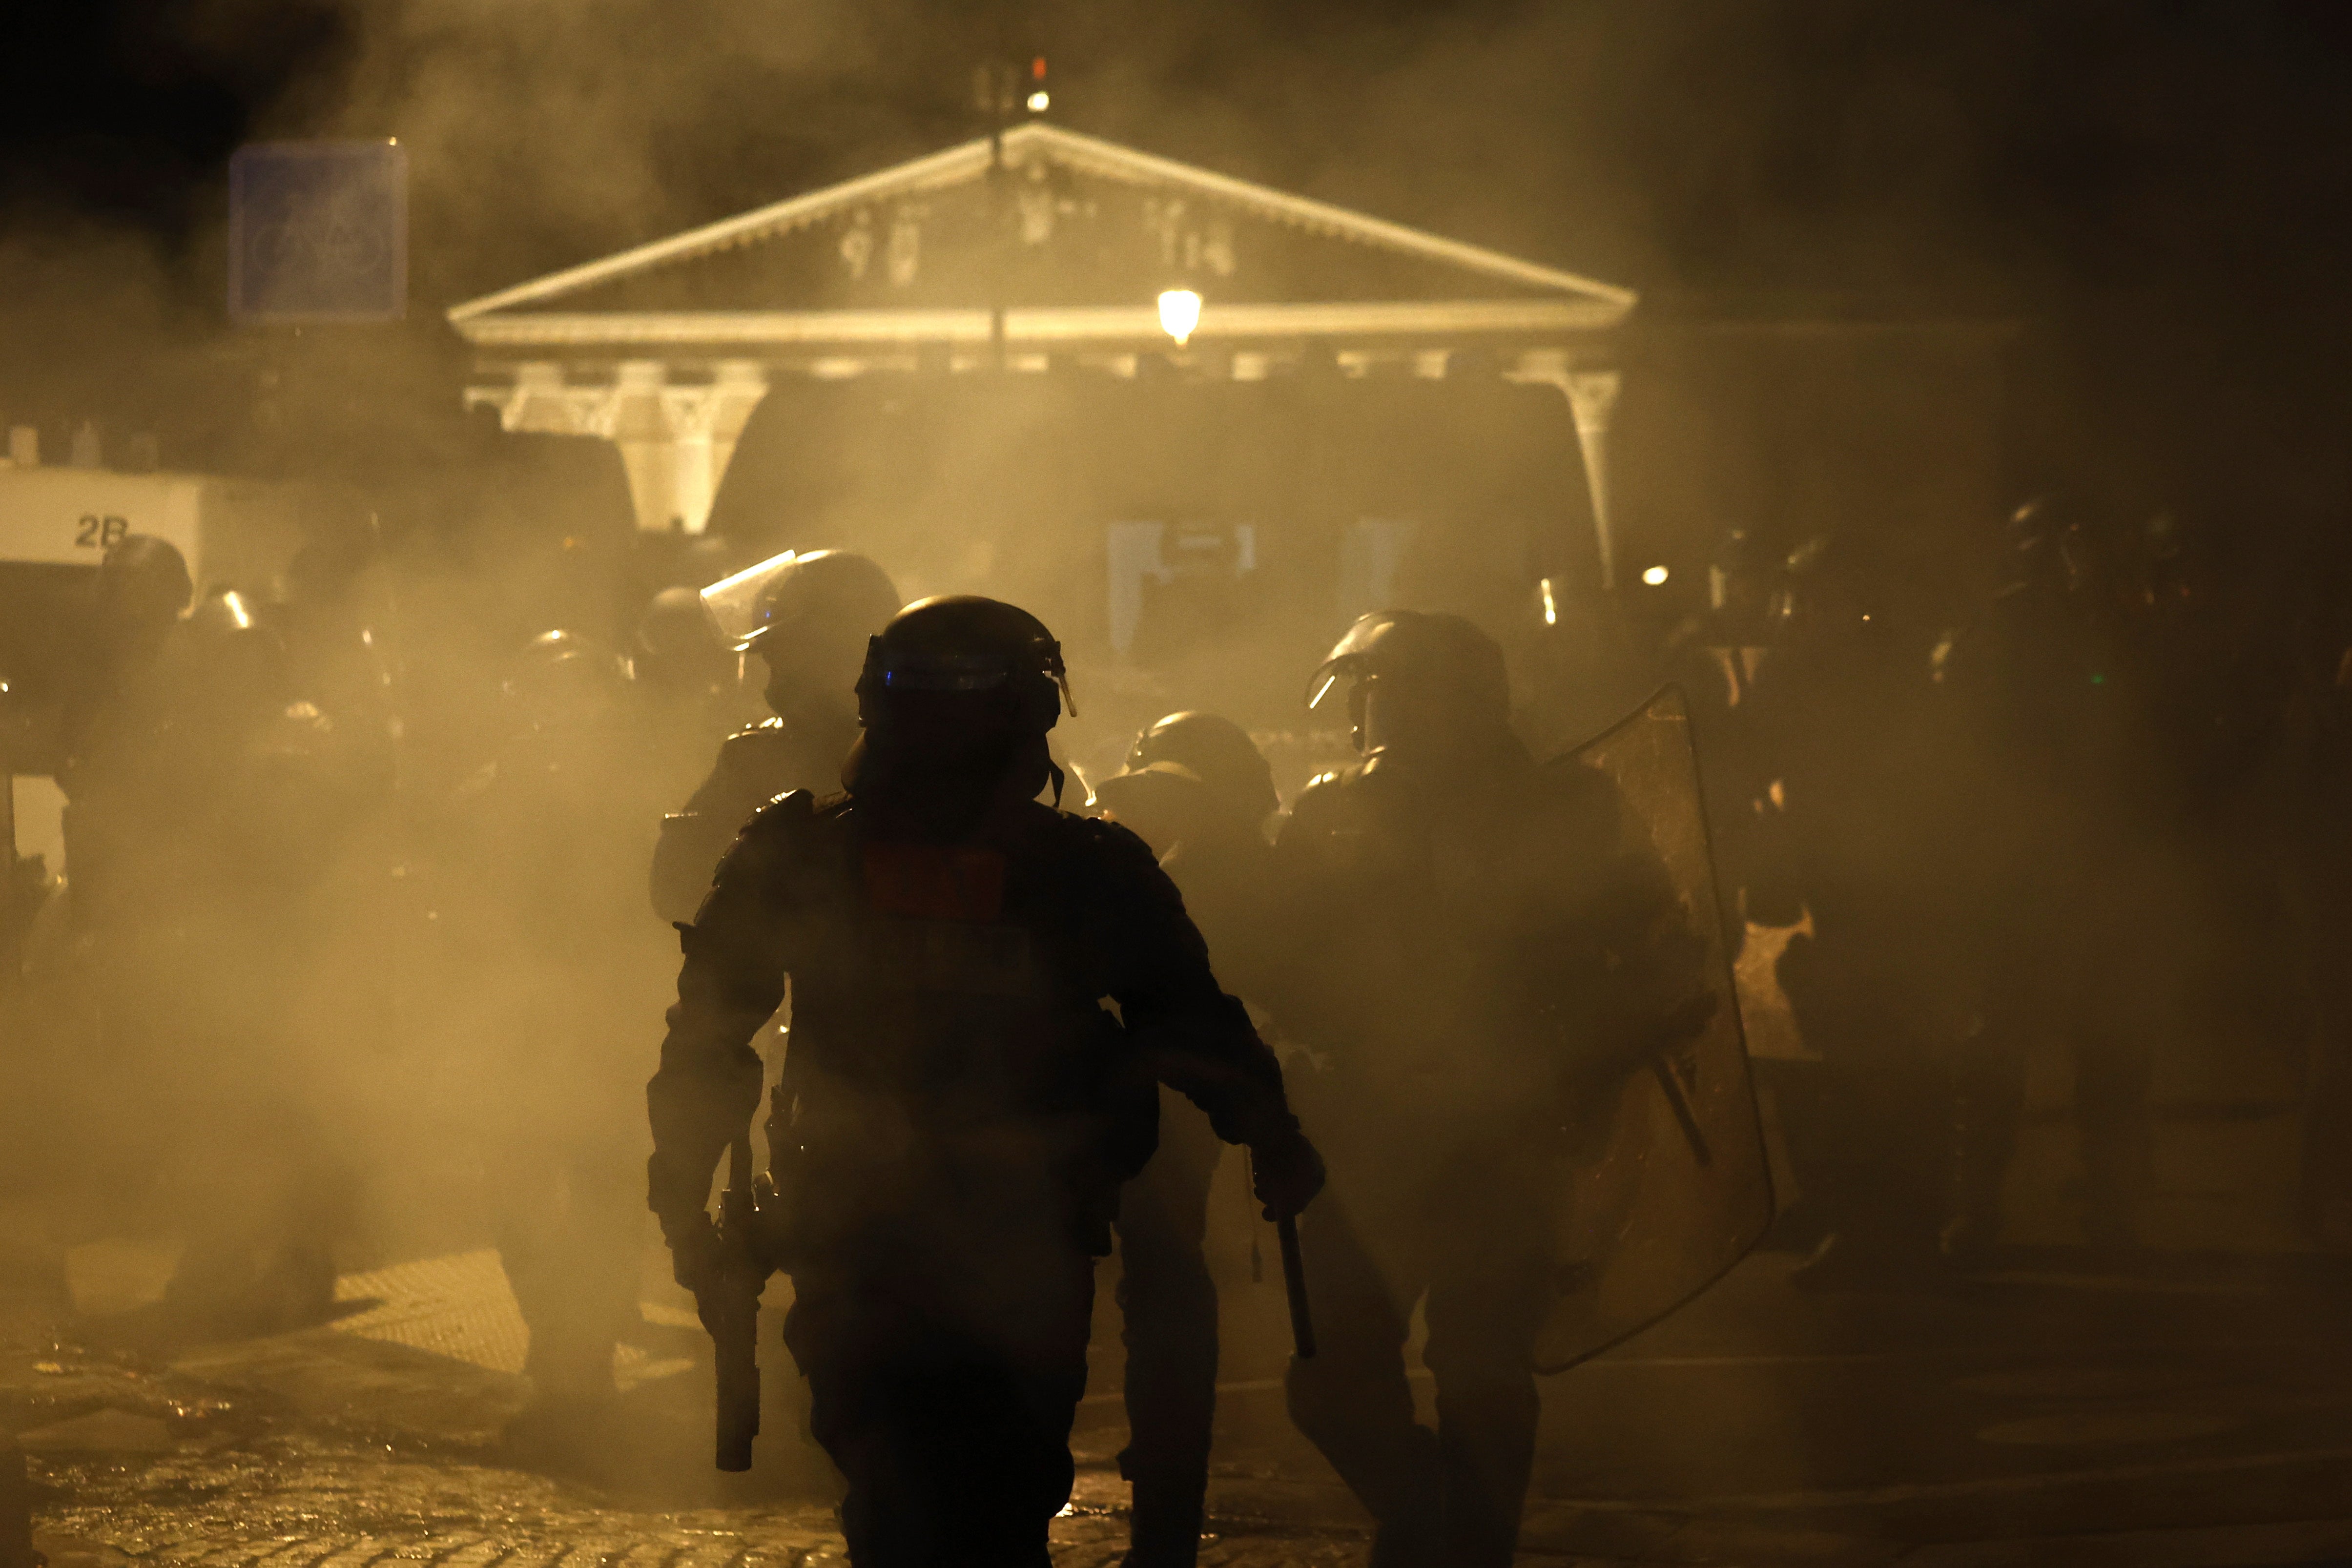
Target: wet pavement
[(2182, 1412)]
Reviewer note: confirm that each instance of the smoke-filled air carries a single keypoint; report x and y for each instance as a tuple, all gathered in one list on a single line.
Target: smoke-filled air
[(1193, 785)]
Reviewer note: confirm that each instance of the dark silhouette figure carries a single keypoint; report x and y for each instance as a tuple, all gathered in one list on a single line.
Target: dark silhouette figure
[(813, 616), (1470, 924), (1197, 791), (963, 1106)]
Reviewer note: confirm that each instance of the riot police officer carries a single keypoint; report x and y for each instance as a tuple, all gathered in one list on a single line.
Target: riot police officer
[(1477, 929), (196, 828), (142, 590), (963, 1105), (686, 680), (2057, 867), (119, 717), (563, 812), (1845, 831), (810, 617), (1196, 789)]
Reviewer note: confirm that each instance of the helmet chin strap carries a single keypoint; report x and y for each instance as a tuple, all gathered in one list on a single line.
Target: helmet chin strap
[(1055, 769)]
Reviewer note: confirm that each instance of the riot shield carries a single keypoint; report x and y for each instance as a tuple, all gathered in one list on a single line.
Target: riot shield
[(1669, 1185)]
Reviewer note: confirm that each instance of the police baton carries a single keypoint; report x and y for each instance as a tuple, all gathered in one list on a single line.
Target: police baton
[(1294, 1285), (732, 1312), (1294, 1272)]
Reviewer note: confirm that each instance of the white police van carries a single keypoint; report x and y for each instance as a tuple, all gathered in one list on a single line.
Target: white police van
[(55, 523)]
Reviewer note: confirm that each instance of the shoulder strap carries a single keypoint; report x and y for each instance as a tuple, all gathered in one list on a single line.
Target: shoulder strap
[(785, 817), (781, 835)]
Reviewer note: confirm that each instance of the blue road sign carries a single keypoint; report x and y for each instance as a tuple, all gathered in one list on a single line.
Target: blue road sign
[(317, 231)]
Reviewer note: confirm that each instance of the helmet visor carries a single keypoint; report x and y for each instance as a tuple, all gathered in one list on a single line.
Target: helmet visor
[(1351, 658), (947, 672), (734, 605)]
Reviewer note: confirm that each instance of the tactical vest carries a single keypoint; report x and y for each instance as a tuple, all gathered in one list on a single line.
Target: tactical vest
[(951, 1034), (1461, 942)]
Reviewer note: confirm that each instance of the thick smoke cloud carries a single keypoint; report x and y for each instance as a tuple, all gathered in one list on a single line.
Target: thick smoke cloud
[(1949, 157), (2157, 204)]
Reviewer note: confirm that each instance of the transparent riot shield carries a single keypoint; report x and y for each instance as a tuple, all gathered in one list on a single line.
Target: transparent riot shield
[(1669, 1185), (733, 603)]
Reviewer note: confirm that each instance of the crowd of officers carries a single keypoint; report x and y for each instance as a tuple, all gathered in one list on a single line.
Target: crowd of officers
[(2061, 829), (1008, 1046), (1004, 1035)]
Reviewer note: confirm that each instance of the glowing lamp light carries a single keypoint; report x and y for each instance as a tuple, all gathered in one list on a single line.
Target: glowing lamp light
[(1038, 102), (1180, 312), (1656, 576), (1552, 609)]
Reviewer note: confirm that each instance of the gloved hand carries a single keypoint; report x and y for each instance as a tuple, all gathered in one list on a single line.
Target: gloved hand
[(694, 1252), (1287, 1172)]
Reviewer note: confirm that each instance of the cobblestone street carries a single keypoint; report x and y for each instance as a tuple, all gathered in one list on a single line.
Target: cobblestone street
[(2182, 1418), (377, 1439), (230, 1487), (232, 1483)]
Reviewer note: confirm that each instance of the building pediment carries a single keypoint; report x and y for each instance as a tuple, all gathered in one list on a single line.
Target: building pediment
[(1066, 238), (1044, 251)]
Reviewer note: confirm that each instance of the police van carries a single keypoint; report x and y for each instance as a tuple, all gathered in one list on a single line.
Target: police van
[(56, 525)]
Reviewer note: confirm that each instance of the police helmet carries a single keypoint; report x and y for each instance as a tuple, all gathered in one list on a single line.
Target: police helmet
[(963, 645), (825, 594), (2035, 521), (1205, 748), (1431, 650), (223, 615), (674, 627), (828, 595), (2054, 535), (558, 669), (1737, 554), (2054, 516), (231, 650), (1741, 572), (144, 579)]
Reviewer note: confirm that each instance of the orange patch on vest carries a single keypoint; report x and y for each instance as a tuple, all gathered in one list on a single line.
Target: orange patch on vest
[(928, 881)]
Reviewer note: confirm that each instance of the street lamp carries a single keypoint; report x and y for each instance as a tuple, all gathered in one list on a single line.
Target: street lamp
[(1180, 312)]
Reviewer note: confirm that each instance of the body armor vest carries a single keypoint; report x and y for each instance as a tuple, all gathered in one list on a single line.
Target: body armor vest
[(948, 1031)]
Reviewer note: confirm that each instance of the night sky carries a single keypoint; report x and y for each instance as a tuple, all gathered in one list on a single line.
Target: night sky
[(2166, 189)]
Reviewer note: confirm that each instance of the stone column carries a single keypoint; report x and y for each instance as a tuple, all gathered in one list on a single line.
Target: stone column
[(1591, 397), (704, 423), (675, 441), (636, 418)]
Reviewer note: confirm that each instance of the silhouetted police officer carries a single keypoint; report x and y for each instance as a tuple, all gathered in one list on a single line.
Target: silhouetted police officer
[(126, 832), (1197, 791), (1725, 657), (813, 619), (1842, 716), (195, 830), (2058, 874), (563, 813), (1474, 928), (686, 677), (964, 1100), (125, 703)]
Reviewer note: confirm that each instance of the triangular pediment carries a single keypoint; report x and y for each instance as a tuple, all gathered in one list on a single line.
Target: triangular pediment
[(1069, 222)]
